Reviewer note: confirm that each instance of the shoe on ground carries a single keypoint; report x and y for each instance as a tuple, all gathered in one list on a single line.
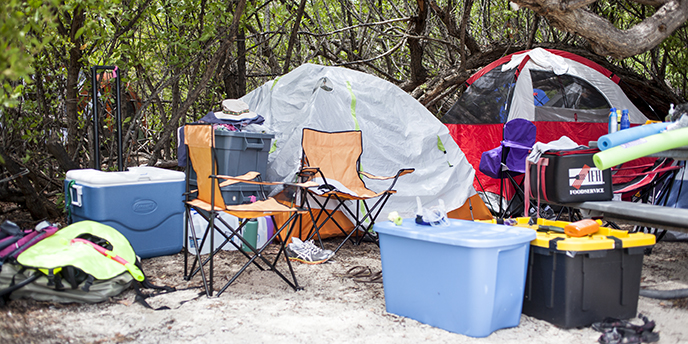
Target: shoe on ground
[(307, 252)]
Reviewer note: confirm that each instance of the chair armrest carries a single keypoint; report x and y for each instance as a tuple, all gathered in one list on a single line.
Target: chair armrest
[(400, 173), (250, 178), (308, 172)]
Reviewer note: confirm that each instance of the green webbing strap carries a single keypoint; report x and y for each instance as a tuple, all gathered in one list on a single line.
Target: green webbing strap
[(274, 82), (353, 105), (358, 128), (68, 200), (440, 146)]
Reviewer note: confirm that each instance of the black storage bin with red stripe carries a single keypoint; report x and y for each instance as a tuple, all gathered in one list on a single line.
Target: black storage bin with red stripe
[(570, 176)]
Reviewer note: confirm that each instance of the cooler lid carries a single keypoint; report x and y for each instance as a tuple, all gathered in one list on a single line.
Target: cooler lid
[(135, 175), (459, 233)]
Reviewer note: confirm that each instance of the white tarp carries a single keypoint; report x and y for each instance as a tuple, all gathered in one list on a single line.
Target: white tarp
[(398, 132)]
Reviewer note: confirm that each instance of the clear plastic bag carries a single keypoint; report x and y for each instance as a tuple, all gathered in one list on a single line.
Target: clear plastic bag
[(435, 216)]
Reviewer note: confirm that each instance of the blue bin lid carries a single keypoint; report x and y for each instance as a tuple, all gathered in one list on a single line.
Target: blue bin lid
[(459, 233)]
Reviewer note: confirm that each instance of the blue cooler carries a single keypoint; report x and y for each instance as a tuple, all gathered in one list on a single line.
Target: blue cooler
[(467, 278), (145, 204)]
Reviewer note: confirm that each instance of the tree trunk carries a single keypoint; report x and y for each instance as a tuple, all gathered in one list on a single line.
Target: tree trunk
[(293, 36), (38, 206), (604, 37), (418, 73), (63, 160), (72, 91)]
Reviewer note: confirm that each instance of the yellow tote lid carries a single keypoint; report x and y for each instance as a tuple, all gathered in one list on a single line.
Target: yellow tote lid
[(604, 239)]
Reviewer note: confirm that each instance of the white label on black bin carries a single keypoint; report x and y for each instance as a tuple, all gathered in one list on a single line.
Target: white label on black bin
[(585, 176)]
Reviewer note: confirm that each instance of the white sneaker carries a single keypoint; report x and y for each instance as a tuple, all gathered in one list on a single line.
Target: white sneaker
[(307, 252)]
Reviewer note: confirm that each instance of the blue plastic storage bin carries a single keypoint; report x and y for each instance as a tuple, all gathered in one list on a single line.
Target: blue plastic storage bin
[(145, 204), (467, 278)]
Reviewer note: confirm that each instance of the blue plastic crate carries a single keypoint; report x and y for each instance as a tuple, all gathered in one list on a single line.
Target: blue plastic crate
[(467, 278)]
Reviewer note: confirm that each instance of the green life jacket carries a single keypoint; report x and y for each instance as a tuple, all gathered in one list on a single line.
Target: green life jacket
[(67, 267)]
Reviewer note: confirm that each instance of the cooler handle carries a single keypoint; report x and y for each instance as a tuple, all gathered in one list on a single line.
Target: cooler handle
[(257, 144), (75, 197)]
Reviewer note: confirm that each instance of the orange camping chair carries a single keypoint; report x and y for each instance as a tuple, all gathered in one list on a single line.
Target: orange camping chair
[(332, 161), (208, 201)]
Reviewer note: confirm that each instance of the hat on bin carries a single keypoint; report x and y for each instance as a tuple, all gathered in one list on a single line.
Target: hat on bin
[(235, 109)]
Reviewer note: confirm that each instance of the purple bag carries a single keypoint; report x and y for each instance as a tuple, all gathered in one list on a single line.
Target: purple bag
[(12, 245)]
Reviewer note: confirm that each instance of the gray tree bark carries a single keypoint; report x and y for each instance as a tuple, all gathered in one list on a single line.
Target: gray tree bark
[(607, 40)]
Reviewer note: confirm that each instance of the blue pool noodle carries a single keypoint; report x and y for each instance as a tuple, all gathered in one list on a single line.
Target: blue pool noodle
[(631, 134)]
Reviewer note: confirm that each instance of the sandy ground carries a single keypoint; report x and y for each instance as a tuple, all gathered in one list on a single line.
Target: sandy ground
[(260, 308)]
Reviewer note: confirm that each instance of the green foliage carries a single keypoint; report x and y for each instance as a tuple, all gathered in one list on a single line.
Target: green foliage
[(19, 22)]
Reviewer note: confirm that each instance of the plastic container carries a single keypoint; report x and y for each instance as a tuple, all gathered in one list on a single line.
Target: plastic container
[(466, 278), (624, 123), (145, 204), (612, 121), (250, 234), (573, 282), (199, 227), (239, 153), (258, 236)]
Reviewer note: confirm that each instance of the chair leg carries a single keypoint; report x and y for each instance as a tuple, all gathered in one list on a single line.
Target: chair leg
[(330, 216), (359, 222), (315, 229), (379, 204), (289, 225), (208, 282), (197, 257)]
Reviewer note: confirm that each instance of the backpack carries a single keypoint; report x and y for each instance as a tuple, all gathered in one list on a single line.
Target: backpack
[(85, 262), (14, 240)]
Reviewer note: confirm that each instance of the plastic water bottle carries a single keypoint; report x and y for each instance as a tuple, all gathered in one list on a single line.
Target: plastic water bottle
[(250, 233), (670, 114), (612, 121), (625, 123)]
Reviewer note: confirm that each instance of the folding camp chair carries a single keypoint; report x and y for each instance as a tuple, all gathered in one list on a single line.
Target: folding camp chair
[(508, 160), (208, 200), (332, 160), (645, 182)]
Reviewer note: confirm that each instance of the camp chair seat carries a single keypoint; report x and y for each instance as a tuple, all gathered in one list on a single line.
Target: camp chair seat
[(332, 161), (207, 200)]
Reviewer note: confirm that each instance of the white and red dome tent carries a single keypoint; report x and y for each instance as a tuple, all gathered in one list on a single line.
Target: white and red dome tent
[(562, 93)]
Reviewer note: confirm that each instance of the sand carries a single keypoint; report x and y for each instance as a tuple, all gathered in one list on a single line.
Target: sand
[(260, 308)]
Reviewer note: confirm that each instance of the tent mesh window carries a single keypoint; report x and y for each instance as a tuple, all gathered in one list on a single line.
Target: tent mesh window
[(486, 101), (566, 98), (565, 91)]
